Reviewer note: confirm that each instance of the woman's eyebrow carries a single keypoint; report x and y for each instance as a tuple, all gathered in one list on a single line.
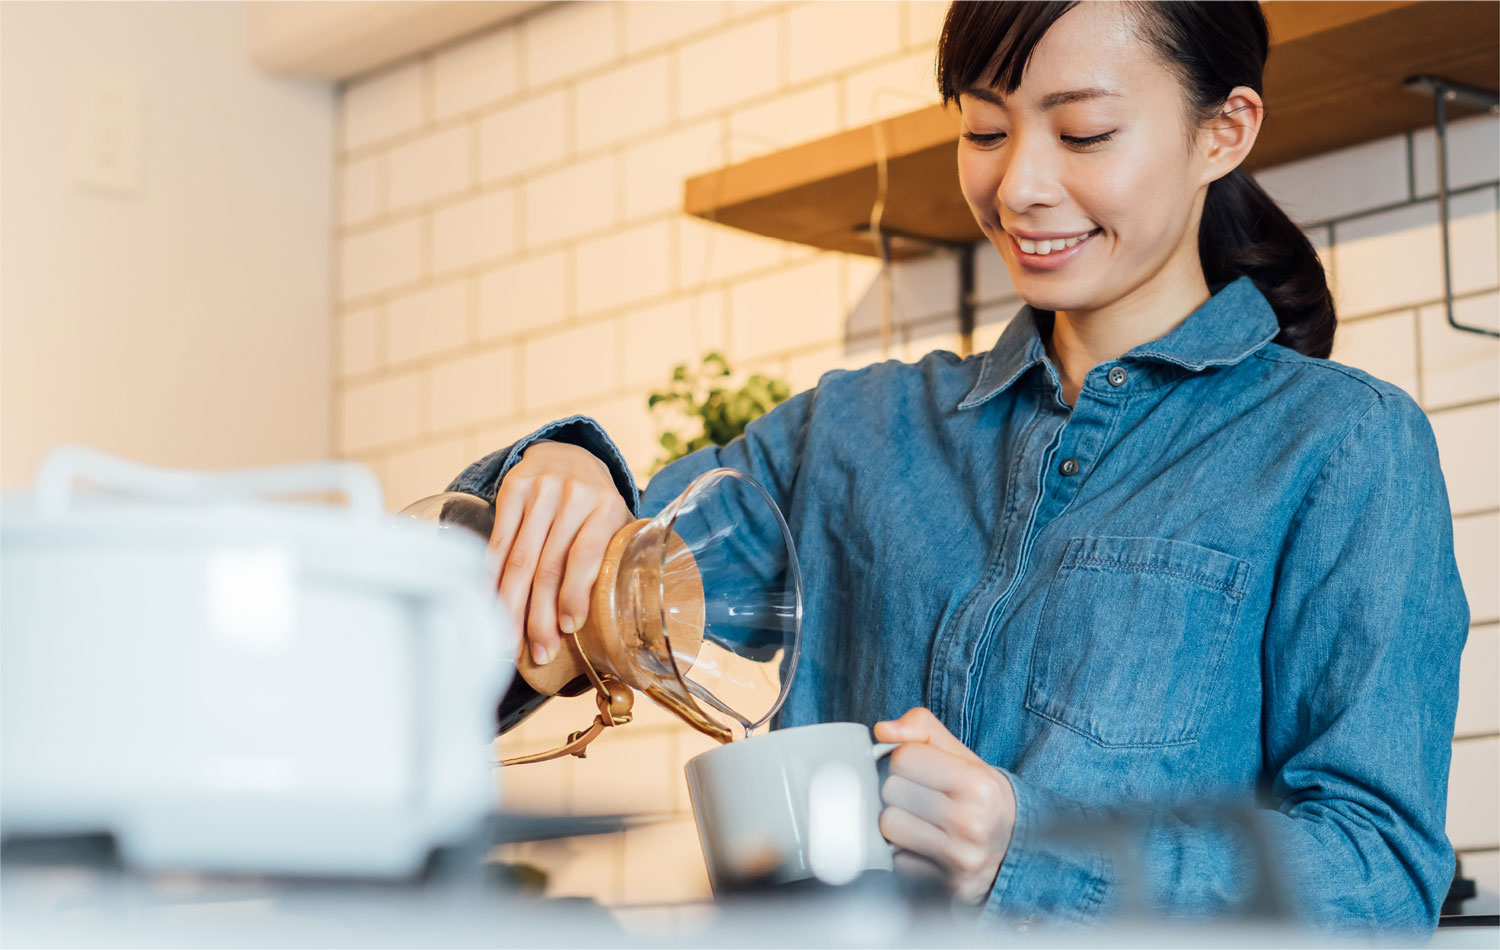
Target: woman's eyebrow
[(1050, 101)]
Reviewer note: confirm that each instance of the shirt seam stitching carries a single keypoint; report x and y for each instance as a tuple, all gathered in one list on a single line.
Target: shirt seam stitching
[(1317, 480), (1322, 364), (1147, 567)]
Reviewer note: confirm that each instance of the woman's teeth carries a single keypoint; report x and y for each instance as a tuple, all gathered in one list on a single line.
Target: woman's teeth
[(1047, 247)]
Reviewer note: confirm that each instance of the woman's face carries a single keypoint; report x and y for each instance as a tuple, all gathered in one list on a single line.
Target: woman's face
[(1090, 145)]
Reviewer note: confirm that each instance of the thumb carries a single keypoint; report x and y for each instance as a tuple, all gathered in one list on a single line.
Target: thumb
[(920, 725)]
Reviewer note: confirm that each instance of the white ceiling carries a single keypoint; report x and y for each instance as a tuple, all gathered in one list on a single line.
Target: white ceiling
[(335, 39)]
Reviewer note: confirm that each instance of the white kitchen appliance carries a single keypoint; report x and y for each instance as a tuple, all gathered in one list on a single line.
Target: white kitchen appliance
[(230, 683)]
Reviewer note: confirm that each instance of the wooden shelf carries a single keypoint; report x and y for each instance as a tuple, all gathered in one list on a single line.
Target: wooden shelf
[(1333, 78)]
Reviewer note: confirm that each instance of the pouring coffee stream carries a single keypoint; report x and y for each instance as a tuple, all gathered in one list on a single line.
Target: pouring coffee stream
[(699, 608)]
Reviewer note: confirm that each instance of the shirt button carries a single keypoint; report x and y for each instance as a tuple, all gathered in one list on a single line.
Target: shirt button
[(1068, 467), (1117, 376)]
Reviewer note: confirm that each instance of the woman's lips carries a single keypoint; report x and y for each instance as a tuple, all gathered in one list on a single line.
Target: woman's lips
[(1053, 260)]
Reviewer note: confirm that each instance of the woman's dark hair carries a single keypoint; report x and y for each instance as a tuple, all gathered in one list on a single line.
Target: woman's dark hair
[(1212, 48)]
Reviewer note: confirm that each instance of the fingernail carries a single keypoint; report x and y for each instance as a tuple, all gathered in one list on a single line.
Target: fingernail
[(539, 654), (566, 624)]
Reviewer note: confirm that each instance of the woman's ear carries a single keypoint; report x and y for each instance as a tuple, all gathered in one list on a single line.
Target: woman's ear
[(1231, 134)]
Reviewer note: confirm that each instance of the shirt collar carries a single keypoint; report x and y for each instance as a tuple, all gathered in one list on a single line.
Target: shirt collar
[(1234, 322)]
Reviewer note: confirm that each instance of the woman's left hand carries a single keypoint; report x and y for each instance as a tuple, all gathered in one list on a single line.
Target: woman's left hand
[(947, 809)]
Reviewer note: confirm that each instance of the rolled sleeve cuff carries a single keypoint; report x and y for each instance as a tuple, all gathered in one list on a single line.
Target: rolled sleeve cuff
[(484, 476), (1053, 875)]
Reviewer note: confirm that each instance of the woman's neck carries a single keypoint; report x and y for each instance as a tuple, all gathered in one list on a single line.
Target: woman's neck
[(1082, 339)]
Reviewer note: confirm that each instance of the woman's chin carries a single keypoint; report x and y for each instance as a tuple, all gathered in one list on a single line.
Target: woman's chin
[(1052, 290), (1048, 298), (1044, 290)]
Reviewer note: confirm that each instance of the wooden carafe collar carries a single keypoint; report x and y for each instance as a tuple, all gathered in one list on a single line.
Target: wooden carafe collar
[(617, 640)]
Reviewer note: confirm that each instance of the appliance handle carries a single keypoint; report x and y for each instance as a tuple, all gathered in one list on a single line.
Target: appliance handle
[(66, 464)]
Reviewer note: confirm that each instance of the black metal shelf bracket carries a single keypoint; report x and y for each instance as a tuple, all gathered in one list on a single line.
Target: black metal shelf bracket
[(962, 251), (1444, 91)]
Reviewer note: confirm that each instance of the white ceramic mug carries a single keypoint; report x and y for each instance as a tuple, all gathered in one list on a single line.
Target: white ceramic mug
[(790, 805)]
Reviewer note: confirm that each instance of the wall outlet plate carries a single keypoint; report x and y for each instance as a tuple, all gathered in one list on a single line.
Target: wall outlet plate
[(107, 129)]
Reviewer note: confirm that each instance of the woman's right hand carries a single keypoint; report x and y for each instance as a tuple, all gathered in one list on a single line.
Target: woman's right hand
[(554, 515)]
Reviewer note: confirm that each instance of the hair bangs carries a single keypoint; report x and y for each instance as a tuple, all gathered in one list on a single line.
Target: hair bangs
[(988, 44)]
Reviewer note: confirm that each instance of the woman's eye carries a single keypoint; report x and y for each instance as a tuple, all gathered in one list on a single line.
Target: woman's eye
[(990, 138), (984, 139), (1088, 141)]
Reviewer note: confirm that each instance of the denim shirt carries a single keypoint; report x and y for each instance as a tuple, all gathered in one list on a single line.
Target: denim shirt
[(1225, 573)]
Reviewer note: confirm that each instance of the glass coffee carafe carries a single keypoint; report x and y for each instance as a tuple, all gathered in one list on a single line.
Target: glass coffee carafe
[(699, 608)]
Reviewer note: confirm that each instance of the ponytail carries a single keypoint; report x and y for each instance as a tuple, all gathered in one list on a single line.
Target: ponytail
[(1244, 232)]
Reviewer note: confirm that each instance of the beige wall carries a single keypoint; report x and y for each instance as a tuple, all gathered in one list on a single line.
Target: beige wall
[(510, 250), (182, 323)]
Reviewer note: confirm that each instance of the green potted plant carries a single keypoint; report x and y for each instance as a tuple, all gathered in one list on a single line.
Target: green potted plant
[(707, 409)]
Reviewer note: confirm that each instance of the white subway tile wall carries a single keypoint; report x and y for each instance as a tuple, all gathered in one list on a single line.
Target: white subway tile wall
[(406, 472), (464, 391), (1340, 183), (922, 23), (434, 166), (1473, 156), (711, 253), (523, 137), (570, 365), (1476, 545), (627, 102), (1471, 459), (1478, 700), (788, 309), (809, 113), (624, 267), (473, 231), (361, 190), (381, 259), (359, 334), (655, 169), (1460, 366), (385, 412), (530, 293), (825, 39), (383, 106), (681, 330), (570, 40), (651, 25), (1385, 346), (891, 88), (428, 322), (475, 73), (730, 67), (511, 249), (579, 198)]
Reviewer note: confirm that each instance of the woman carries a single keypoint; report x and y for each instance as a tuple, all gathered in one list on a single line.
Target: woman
[(1152, 548)]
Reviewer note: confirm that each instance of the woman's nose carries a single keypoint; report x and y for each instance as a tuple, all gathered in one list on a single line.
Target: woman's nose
[(1029, 177)]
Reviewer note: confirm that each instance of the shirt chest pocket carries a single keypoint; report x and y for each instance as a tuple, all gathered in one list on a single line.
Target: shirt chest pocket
[(1130, 637)]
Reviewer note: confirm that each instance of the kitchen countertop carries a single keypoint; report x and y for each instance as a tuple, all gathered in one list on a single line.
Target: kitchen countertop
[(69, 906)]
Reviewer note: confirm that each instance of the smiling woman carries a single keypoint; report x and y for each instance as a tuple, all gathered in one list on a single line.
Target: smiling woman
[(1127, 138), (1153, 550)]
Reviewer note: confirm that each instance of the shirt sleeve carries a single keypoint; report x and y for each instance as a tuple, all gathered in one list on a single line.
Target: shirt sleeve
[(1360, 665), (768, 451)]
